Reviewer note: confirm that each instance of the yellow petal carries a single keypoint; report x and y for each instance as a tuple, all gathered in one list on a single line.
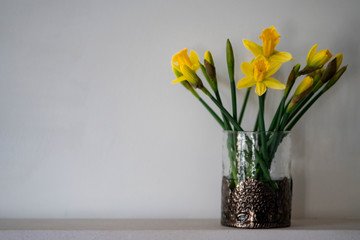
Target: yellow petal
[(179, 79), (260, 88), (194, 58), (274, 66), (247, 69), (273, 83), (311, 52), (280, 57), (256, 49), (245, 82)]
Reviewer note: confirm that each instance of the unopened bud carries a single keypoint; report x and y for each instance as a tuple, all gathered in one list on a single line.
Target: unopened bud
[(208, 57), (335, 78), (339, 58), (301, 91), (230, 58), (210, 69), (304, 85), (329, 71), (291, 79)]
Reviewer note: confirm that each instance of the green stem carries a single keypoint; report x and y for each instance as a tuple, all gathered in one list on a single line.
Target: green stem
[(319, 84), (226, 122), (223, 110), (275, 123), (298, 116), (256, 126), (280, 110), (298, 107), (231, 145), (244, 105), (262, 129), (217, 118), (213, 86)]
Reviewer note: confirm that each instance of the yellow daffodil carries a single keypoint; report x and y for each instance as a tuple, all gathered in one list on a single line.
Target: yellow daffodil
[(258, 73), (188, 75), (317, 59), (187, 66), (270, 39), (182, 58)]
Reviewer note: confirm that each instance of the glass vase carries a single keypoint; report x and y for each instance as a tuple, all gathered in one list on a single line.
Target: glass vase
[(256, 184)]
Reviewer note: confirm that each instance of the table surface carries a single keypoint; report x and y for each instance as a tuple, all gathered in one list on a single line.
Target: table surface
[(171, 229)]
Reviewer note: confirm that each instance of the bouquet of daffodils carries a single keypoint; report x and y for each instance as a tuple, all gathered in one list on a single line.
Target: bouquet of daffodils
[(317, 79)]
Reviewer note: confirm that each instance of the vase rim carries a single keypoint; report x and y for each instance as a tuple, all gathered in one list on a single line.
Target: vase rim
[(254, 132)]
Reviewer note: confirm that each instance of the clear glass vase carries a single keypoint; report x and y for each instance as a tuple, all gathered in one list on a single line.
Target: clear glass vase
[(256, 184)]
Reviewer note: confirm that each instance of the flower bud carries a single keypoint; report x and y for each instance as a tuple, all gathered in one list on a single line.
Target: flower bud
[(334, 79), (210, 71), (301, 91), (339, 58), (210, 66), (304, 85), (329, 71), (230, 58), (291, 79), (209, 58)]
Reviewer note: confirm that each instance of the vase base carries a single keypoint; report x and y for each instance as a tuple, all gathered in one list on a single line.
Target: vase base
[(255, 225), (253, 204)]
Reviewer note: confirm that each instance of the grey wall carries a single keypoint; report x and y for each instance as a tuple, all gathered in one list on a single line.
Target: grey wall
[(91, 127)]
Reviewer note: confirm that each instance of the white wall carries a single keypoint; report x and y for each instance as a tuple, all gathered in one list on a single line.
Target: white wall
[(91, 127)]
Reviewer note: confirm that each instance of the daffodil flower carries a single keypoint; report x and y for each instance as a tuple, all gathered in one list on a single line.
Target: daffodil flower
[(182, 58), (317, 59), (270, 39), (258, 73), (187, 66)]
